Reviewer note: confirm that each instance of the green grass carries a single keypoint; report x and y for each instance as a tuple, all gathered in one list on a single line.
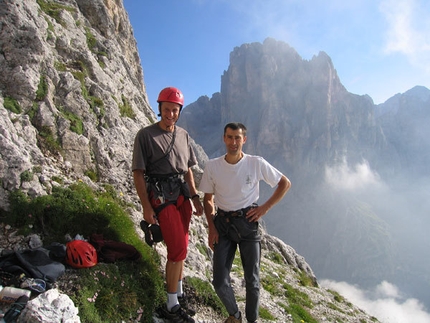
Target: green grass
[(53, 9), (265, 314), (271, 284), (300, 314), (47, 142), (80, 71), (305, 280), (92, 174), (93, 45), (105, 292), (205, 294), (12, 105), (276, 257), (27, 176), (76, 123), (125, 108), (91, 39), (109, 293), (42, 89), (298, 302)]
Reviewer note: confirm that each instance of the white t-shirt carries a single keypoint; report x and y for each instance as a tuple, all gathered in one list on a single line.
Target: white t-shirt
[(237, 186)]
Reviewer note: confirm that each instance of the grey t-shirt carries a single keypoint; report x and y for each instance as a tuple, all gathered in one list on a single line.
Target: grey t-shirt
[(151, 144)]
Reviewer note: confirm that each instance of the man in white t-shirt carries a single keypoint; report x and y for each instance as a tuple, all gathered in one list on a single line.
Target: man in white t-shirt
[(231, 187)]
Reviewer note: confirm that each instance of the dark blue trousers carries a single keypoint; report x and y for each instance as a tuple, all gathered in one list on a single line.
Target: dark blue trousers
[(250, 253)]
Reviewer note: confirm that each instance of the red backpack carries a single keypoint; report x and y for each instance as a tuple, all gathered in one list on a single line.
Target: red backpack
[(110, 251)]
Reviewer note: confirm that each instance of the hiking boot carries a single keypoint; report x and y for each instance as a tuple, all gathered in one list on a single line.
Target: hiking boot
[(177, 315), (233, 319), (183, 301)]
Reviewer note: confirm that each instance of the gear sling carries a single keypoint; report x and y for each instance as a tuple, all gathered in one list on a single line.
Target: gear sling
[(165, 189)]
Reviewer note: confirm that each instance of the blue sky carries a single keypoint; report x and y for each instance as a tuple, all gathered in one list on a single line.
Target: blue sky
[(379, 48)]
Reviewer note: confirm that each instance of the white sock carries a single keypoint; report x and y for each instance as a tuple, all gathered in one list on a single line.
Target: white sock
[(172, 300), (237, 314), (180, 291)]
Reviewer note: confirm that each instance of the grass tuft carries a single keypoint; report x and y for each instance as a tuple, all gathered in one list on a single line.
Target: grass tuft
[(12, 105)]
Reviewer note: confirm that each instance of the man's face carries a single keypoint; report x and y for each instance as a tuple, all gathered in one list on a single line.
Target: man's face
[(234, 140), (169, 113)]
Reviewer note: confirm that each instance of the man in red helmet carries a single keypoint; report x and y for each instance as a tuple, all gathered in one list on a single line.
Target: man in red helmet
[(162, 161)]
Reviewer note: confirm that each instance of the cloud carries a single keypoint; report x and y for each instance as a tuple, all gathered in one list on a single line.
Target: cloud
[(344, 177), (408, 29), (385, 302)]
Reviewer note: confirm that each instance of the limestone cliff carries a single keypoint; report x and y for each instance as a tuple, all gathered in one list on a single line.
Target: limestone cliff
[(72, 93)]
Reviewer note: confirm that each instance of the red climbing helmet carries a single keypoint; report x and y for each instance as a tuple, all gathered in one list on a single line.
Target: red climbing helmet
[(80, 254), (171, 94)]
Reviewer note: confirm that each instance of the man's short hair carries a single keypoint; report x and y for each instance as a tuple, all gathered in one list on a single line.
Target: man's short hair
[(235, 126)]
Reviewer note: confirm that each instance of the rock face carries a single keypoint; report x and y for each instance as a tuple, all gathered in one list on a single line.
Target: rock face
[(73, 95), (345, 156)]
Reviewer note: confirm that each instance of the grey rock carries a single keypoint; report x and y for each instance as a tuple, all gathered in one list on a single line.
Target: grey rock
[(50, 306)]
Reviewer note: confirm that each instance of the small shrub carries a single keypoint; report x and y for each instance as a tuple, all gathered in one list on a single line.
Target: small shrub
[(92, 174), (125, 108), (32, 112), (42, 89), (60, 67), (47, 141), (26, 176), (91, 39), (12, 105), (76, 124)]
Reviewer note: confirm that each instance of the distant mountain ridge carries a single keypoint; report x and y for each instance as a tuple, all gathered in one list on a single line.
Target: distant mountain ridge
[(302, 119)]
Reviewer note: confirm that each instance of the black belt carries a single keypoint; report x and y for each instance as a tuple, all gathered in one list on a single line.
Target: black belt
[(237, 213), (164, 178)]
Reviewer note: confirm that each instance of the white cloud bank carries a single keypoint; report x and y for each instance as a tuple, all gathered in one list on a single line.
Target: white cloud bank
[(358, 177), (385, 302)]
